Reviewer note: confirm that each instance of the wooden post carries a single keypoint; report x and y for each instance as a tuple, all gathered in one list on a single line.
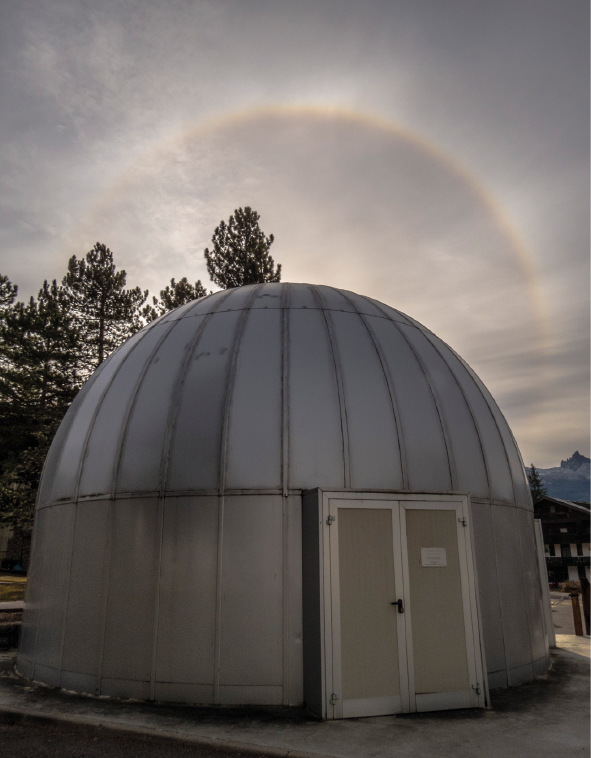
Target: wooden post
[(574, 596), (585, 592)]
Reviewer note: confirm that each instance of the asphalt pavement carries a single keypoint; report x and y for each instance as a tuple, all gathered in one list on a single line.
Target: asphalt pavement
[(25, 741)]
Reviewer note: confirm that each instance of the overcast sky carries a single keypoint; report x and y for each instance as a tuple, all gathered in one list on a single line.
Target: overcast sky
[(431, 154)]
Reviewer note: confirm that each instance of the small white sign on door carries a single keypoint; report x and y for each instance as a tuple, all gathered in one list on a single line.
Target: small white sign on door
[(433, 556)]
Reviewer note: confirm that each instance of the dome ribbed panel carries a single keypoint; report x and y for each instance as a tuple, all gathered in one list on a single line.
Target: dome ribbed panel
[(520, 485), (494, 451), (374, 452), (143, 444), (465, 446), (422, 434), (196, 439), (60, 439), (316, 446), (72, 454), (103, 446), (254, 434), (283, 385)]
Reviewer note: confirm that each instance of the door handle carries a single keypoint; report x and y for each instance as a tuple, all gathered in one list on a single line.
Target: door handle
[(400, 605)]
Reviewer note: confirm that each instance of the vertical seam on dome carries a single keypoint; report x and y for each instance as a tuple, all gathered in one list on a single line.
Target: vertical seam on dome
[(390, 386), (229, 390), (93, 421), (285, 600), (71, 555), (128, 413), (175, 403), (107, 586), (525, 593), (156, 621), (40, 604), (285, 299), (446, 438), (475, 377), (472, 415), (498, 582), (230, 381), (520, 457), (285, 350), (340, 384)]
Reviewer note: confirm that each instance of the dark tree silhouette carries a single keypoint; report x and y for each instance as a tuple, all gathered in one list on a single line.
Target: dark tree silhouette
[(172, 296), (240, 253), (537, 489), (106, 312), (8, 292), (39, 361)]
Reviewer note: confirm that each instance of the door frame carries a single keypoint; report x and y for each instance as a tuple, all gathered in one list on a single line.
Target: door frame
[(330, 600)]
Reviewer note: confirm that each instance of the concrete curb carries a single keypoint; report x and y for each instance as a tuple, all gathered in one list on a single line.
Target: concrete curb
[(14, 715)]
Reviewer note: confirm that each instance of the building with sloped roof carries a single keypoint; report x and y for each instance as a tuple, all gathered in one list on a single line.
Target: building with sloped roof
[(565, 526)]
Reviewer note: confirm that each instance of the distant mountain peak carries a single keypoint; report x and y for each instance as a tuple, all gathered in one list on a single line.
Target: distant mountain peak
[(569, 481), (575, 462)]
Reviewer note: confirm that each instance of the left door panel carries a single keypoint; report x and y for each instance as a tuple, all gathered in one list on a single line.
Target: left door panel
[(366, 623)]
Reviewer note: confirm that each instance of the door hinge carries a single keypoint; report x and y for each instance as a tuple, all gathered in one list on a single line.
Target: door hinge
[(463, 521), (476, 688), (330, 519), (333, 699)]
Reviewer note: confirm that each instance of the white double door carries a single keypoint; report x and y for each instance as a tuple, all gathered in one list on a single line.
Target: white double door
[(401, 617)]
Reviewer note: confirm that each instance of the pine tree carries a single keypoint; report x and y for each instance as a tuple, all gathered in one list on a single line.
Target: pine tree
[(38, 379), (107, 314), (538, 491), (8, 292), (240, 253), (18, 486), (172, 296)]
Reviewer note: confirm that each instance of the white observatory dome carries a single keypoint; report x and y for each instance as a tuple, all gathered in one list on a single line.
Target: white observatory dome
[(167, 551)]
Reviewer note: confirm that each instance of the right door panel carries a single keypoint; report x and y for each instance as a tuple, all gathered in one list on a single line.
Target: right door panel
[(436, 606)]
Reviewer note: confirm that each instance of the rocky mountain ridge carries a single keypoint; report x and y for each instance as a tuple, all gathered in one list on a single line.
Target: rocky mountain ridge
[(569, 481)]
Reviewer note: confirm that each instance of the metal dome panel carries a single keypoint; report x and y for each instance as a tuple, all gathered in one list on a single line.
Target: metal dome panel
[(284, 386)]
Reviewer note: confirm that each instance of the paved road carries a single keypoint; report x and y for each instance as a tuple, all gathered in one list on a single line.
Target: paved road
[(33, 742)]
